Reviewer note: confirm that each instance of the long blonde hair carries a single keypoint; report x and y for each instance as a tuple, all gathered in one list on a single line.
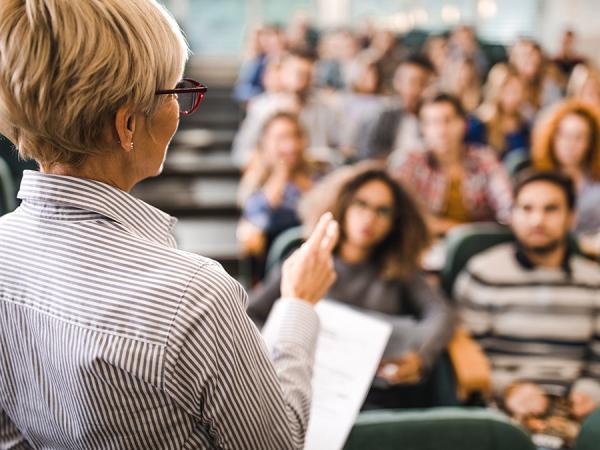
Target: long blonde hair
[(490, 111)]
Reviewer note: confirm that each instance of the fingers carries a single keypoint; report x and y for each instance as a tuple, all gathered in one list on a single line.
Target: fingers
[(320, 231), (331, 237)]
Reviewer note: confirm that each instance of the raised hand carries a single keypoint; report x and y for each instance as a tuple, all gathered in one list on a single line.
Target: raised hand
[(308, 273)]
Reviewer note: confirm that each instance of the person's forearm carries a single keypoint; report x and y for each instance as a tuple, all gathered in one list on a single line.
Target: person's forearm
[(436, 326), (291, 338)]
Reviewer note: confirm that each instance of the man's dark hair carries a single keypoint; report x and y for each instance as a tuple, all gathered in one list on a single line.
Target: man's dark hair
[(420, 60), (559, 180), (302, 53), (443, 97)]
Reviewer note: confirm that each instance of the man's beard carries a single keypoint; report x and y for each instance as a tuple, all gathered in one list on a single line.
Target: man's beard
[(542, 250)]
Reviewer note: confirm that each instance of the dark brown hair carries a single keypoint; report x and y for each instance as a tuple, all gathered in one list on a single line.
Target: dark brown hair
[(398, 255)]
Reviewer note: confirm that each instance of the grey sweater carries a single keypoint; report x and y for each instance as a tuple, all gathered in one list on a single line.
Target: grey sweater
[(421, 318)]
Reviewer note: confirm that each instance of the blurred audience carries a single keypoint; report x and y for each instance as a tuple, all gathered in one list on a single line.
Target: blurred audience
[(463, 43), (503, 125), (461, 79), (298, 96), (265, 43), (567, 139), (436, 49), (567, 56), (584, 85), (337, 53), (541, 78), (385, 50), (454, 181), (360, 107), (382, 235), (396, 129), (533, 304)]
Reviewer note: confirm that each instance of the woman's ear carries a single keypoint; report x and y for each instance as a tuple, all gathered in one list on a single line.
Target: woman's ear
[(125, 123)]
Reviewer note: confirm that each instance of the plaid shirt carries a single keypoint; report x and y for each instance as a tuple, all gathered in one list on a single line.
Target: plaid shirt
[(486, 188)]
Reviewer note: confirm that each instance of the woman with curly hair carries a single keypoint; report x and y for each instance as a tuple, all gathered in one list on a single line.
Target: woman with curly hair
[(382, 235), (567, 138)]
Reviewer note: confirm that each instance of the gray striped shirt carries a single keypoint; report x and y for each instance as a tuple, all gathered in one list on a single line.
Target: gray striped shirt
[(112, 338), (536, 324)]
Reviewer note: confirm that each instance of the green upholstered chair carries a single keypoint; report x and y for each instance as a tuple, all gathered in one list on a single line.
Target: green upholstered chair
[(589, 436), (436, 429), (7, 189), (283, 246), (465, 241)]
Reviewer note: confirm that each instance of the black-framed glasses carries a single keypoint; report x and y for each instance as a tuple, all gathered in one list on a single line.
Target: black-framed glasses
[(381, 212), (189, 95)]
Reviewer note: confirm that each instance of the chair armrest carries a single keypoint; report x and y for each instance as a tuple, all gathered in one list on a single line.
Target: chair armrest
[(471, 366)]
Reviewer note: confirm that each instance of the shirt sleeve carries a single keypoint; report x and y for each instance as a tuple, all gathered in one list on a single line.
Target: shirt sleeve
[(589, 383), (258, 211), (435, 326), (245, 393), (10, 436), (474, 312)]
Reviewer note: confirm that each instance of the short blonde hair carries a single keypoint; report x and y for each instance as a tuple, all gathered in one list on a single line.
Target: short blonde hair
[(67, 66)]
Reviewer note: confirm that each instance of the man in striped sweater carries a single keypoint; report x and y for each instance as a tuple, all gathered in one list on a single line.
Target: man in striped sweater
[(534, 304)]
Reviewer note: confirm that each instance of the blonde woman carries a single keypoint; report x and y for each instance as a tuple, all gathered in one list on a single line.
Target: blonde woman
[(110, 336), (460, 78), (505, 128), (272, 186)]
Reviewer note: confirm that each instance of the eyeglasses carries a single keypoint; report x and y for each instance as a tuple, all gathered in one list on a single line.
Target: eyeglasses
[(382, 212), (189, 95)]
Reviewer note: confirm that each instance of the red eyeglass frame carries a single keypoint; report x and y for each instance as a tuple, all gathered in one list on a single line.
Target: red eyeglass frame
[(198, 88)]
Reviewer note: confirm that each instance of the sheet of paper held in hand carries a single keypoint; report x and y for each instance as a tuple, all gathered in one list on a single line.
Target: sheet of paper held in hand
[(348, 353)]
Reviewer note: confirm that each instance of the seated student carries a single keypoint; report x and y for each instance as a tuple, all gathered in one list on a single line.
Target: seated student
[(534, 304), (460, 78), (382, 235), (454, 181), (568, 139), (396, 131), (278, 174), (584, 85), (502, 125), (296, 95), (543, 84), (359, 107)]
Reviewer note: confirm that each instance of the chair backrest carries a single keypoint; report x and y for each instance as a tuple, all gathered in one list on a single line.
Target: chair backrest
[(436, 429), (283, 246), (465, 241), (589, 436), (7, 189), (516, 161)]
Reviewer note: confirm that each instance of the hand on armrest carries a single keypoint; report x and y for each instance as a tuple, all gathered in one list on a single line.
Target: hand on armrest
[(471, 365)]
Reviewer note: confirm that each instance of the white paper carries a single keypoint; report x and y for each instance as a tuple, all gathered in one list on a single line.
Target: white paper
[(348, 353)]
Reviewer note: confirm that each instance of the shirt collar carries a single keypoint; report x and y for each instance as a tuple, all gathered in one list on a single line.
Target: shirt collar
[(527, 264), (100, 198)]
